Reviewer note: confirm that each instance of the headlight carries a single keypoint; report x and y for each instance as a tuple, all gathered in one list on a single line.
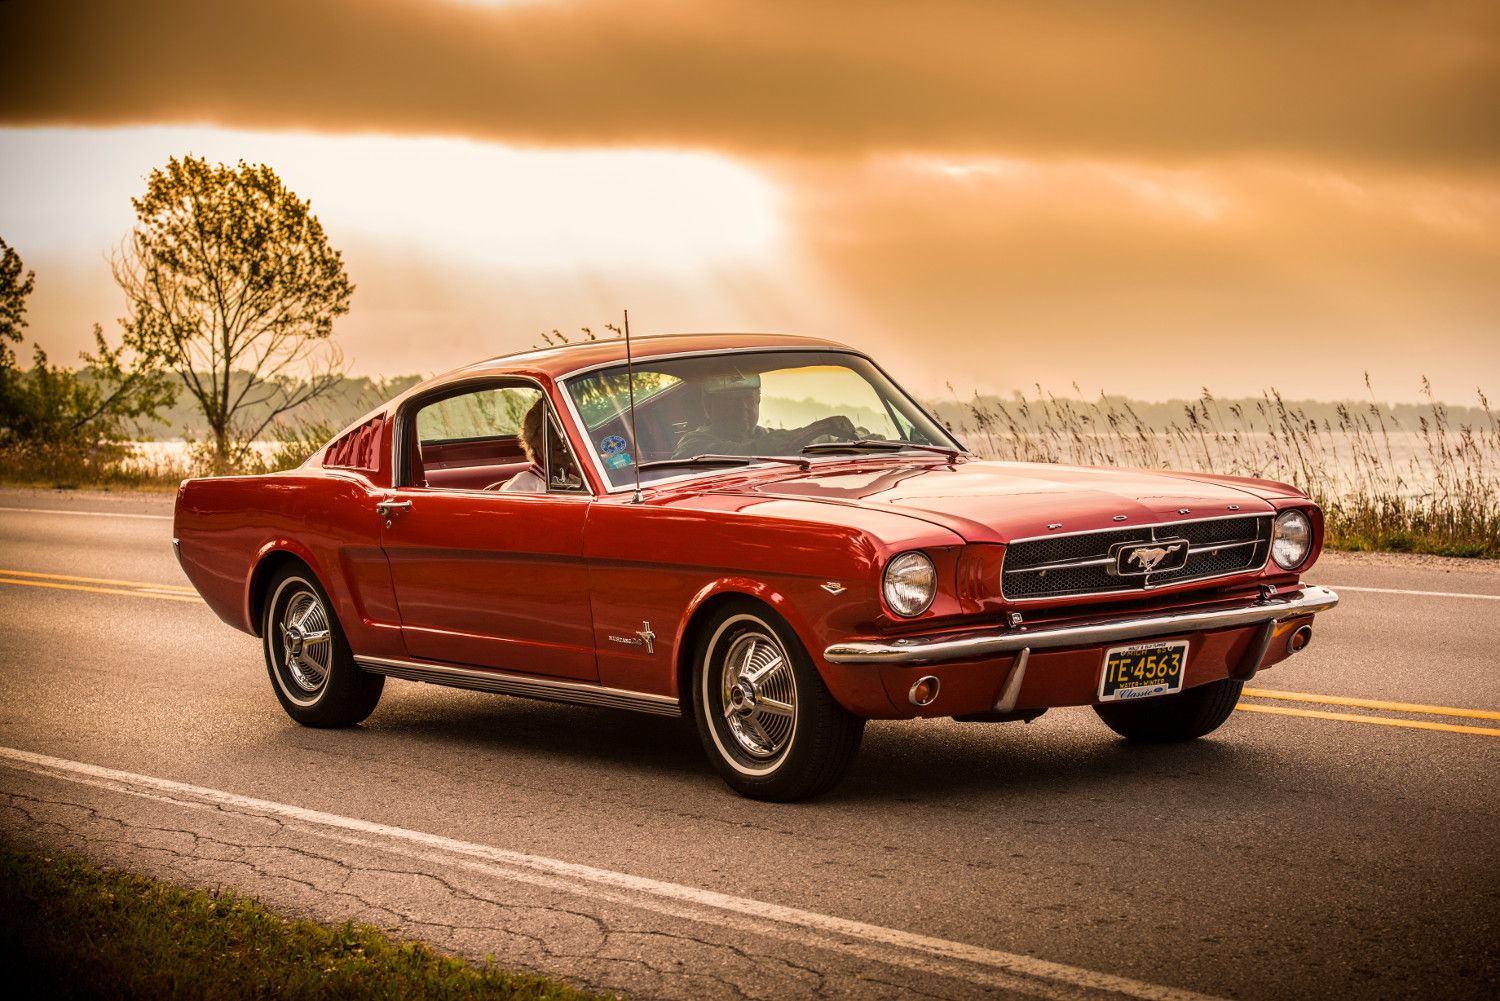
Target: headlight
[(1291, 539), (910, 584)]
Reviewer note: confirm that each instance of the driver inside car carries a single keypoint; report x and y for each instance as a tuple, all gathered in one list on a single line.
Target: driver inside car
[(731, 402)]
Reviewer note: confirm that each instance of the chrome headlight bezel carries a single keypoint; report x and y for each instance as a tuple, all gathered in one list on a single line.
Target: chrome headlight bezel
[(1292, 538), (906, 592)]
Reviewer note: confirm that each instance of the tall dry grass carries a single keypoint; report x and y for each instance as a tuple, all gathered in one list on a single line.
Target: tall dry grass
[(1432, 488), (157, 466)]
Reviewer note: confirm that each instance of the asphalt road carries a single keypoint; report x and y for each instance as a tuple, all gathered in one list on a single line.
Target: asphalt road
[(1292, 854)]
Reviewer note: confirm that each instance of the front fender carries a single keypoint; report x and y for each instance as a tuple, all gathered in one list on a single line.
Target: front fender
[(808, 609)]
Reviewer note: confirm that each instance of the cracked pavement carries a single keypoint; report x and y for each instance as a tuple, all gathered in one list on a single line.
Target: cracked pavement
[(607, 942), (1283, 857)]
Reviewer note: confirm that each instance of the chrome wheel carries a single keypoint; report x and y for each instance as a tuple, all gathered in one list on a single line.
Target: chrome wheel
[(757, 695), (306, 644), (308, 657), (766, 719)]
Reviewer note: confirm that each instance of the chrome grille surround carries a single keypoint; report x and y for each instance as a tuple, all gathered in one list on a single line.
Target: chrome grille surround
[(1081, 563)]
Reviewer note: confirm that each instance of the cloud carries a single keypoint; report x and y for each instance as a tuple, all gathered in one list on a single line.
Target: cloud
[(1181, 80), (1158, 280)]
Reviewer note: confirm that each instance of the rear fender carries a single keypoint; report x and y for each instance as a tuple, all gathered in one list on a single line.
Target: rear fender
[(266, 560)]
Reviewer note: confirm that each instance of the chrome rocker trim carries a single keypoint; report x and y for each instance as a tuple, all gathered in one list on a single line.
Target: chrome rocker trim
[(578, 693), (929, 650)]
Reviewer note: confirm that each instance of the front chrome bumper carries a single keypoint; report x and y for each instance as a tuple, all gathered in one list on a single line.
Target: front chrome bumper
[(931, 650)]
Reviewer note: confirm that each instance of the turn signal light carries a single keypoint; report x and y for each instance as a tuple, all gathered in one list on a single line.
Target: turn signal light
[(1299, 639), (924, 691)]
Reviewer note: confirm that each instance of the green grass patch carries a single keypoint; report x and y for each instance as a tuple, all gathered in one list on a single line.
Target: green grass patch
[(70, 930), (123, 482)]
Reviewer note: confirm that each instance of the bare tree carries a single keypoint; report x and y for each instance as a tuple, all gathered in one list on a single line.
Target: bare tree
[(232, 283)]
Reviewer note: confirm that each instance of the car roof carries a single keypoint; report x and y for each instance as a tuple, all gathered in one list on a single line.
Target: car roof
[(563, 360)]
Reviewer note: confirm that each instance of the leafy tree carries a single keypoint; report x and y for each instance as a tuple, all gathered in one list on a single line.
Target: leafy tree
[(14, 291), (89, 409), (52, 413), (232, 282)]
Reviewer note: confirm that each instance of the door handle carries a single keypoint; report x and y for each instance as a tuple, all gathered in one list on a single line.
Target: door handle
[(387, 506)]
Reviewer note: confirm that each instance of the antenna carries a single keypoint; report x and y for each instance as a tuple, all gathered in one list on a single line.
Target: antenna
[(635, 441)]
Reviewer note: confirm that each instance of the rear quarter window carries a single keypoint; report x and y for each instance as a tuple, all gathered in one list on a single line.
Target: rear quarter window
[(357, 448)]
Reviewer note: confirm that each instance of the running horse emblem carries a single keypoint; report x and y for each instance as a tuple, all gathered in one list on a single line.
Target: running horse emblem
[(1150, 559)]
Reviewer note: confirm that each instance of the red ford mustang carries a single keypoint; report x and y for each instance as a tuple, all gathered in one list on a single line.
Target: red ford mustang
[(774, 538)]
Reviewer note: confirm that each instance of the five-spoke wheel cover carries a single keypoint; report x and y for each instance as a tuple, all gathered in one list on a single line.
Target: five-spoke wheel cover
[(303, 641), (758, 694)]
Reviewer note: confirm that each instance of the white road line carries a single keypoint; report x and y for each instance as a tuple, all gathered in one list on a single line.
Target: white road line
[(1008, 971), (89, 514), (1341, 588)]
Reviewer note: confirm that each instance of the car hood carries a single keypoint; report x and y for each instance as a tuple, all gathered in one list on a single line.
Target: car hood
[(1003, 501)]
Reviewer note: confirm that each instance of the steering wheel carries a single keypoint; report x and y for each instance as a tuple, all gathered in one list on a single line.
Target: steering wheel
[(835, 428)]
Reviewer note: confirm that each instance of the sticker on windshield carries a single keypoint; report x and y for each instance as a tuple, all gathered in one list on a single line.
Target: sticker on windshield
[(619, 461), (613, 445)]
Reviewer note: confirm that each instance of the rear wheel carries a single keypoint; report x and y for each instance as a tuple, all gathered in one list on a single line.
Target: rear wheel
[(764, 715), (1184, 716), (312, 670)]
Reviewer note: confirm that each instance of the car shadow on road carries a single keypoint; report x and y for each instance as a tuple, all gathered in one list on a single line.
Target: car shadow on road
[(938, 761), (515, 733), (963, 758), (931, 761)]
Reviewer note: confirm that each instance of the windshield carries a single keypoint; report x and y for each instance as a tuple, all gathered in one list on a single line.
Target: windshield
[(770, 403)]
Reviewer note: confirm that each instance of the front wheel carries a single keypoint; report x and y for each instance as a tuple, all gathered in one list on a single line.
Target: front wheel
[(312, 670), (765, 717), (1184, 716)]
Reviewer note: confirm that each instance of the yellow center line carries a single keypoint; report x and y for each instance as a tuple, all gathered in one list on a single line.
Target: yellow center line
[(1414, 724), (1395, 707), (99, 580), (100, 590)]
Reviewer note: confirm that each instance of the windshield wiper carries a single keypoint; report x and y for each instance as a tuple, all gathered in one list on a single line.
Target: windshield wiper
[(724, 460), (877, 445)]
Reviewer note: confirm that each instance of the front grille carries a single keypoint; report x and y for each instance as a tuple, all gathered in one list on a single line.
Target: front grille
[(1081, 564)]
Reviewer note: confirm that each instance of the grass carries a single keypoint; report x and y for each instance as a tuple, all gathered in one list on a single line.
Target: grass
[(1383, 485), (69, 930), (121, 466), (104, 469)]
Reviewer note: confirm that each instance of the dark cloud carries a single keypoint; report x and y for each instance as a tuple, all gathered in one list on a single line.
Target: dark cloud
[(1386, 81)]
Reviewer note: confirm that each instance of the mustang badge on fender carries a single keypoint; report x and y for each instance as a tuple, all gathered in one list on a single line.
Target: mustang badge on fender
[(643, 637)]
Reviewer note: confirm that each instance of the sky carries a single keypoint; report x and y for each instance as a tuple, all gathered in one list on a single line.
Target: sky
[(1138, 198)]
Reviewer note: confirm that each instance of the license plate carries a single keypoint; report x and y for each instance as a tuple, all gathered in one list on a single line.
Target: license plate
[(1143, 670)]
